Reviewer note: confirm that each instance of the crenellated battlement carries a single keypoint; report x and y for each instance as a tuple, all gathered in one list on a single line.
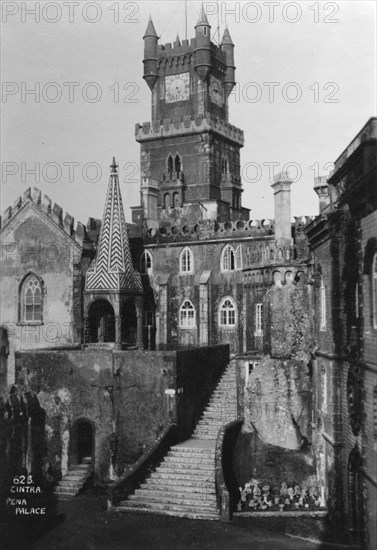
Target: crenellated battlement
[(187, 125), (176, 48), (208, 229), (55, 212)]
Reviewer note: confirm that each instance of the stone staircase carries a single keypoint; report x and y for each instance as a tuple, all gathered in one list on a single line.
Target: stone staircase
[(74, 480), (184, 483)]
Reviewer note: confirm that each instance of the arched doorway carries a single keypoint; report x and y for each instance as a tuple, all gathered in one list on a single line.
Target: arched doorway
[(129, 323), (355, 496), (101, 322), (82, 441)]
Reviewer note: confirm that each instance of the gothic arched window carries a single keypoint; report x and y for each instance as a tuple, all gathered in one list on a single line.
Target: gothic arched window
[(170, 166), (186, 261), (231, 259), (187, 315), (177, 165), (227, 313), (146, 263), (31, 298)]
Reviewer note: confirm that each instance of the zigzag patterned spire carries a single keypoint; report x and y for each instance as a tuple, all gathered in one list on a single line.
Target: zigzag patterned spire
[(112, 267)]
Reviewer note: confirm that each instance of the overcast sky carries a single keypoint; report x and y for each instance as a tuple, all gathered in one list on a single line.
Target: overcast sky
[(86, 58)]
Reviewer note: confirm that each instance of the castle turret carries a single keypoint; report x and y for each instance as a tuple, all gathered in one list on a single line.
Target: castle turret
[(150, 55), (227, 47), (202, 53)]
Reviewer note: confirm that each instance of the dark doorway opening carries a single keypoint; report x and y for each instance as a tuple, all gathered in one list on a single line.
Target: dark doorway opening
[(101, 322), (129, 323), (82, 441)]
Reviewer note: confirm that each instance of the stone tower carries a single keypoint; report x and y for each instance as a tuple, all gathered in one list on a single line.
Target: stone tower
[(190, 154)]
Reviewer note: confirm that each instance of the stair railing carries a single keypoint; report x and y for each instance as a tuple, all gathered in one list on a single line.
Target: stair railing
[(226, 483), (130, 480)]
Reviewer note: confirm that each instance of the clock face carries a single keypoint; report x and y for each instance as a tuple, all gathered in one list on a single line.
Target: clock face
[(177, 87), (216, 91)]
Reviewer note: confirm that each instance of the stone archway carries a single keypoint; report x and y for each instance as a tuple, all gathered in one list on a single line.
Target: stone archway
[(101, 322), (82, 441)]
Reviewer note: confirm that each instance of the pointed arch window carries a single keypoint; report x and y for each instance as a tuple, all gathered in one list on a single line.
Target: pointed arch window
[(231, 259), (186, 261), (187, 315), (177, 164), (146, 263), (227, 313), (31, 300), (170, 166)]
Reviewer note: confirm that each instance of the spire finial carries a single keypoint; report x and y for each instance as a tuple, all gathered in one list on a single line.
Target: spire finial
[(203, 20), (114, 167)]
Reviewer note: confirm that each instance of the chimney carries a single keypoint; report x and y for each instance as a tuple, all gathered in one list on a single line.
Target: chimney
[(321, 187), (149, 198), (282, 197)]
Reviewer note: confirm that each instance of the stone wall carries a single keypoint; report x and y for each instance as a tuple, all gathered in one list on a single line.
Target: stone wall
[(134, 393)]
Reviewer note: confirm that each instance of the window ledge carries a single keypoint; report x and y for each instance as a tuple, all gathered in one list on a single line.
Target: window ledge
[(258, 333)]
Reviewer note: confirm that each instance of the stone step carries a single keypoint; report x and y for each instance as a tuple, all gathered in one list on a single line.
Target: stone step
[(188, 460), (184, 484), (203, 453), (214, 421), (221, 405), (64, 491), (75, 477), (196, 512), (183, 468), (64, 483), (211, 432), (178, 449), (200, 477), (144, 495)]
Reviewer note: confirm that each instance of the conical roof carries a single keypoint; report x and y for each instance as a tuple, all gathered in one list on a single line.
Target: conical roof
[(112, 268), (203, 20), (150, 30), (226, 37)]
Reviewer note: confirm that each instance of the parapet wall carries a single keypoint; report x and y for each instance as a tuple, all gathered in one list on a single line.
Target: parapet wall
[(207, 229), (55, 212), (185, 125)]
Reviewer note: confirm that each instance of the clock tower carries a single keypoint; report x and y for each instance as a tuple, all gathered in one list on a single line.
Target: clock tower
[(190, 154)]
